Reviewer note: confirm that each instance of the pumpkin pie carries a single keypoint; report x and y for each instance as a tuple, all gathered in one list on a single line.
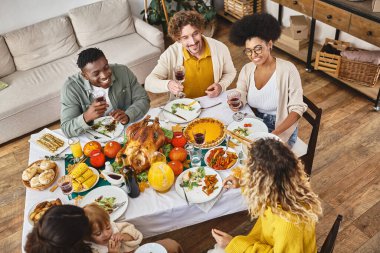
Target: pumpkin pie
[(214, 135)]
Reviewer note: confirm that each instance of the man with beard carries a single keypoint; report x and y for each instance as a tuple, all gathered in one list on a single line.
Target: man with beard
[(124, 98), (209, 69)]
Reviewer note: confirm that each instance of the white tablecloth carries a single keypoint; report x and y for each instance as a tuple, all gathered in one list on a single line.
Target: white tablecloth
[(154, 213)]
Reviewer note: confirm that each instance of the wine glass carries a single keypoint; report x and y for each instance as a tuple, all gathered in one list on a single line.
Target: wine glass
[(179, 73), (66, 185), (199, 135)]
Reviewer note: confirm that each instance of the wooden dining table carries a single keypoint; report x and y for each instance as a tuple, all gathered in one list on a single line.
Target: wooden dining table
[(155, 213)]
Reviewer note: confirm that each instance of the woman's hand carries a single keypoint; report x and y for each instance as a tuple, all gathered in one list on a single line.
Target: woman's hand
[(231, 182), (221, 238), (113, 246), (174, 87)]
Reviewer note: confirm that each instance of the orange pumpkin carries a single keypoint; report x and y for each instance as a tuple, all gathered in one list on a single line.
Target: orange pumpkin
[(111, 148), (176, 166), (91, 146), (160, 177)]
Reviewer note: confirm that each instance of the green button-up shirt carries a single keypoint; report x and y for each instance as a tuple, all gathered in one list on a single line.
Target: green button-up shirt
[(125, 93)]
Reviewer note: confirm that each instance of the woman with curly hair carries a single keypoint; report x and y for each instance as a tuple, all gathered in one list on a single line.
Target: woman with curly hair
[(60, 230), (278, 192), (209, 69), (271, 86)]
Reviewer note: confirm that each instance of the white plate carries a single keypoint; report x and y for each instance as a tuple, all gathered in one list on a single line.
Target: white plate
[(34, 137), (34, 206), (223, 147), (257, 136), (96, 172), (196, 195), (257, 126), (108, 191), (151, 248), (114, 134), (188, 115)]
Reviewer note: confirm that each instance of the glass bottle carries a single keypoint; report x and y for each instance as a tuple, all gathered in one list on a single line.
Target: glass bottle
[(130, 179)]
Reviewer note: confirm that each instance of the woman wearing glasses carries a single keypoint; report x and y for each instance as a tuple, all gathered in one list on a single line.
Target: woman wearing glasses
[(271, 86)]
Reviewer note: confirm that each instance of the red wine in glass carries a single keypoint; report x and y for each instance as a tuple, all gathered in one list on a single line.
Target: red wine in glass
[(199, 138), (180, 76), (66, 188), (235, 102), (100, 99)]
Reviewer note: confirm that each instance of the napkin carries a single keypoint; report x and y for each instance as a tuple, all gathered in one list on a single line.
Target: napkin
[(206, 207)]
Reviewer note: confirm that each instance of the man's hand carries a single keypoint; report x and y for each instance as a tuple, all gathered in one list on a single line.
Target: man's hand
[(175, 87), (113, 246), (221, 238), (120, 116), (120, 237), (214, 90), (95, 110), (231, 182)]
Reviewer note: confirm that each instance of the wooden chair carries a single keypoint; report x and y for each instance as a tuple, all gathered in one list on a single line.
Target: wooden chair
[(328, 245), (314, 121)]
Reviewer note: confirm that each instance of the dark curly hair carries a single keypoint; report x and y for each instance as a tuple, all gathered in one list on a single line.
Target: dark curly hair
[(263, 26), (184, 18), (89, 55), (61, 230)]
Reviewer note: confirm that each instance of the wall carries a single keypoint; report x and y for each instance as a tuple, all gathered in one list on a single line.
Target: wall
[(322, 30), (15, 14)]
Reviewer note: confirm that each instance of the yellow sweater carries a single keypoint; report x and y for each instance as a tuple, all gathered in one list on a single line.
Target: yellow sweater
[(273, 234)]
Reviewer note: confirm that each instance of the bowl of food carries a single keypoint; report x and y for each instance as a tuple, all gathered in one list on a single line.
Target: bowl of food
[(39, 209), (221, 159), (40, 174)]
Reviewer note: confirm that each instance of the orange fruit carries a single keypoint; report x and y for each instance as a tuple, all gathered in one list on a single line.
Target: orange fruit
[(176, 166), (178, 154)]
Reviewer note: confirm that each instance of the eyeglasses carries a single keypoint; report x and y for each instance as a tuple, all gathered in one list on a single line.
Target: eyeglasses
[(257, 50)]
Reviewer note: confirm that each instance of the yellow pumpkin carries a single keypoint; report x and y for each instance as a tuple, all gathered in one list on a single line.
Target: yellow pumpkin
[(160, 177)]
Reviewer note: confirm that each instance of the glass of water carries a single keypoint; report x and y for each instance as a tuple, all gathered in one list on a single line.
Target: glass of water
[(195, 155)]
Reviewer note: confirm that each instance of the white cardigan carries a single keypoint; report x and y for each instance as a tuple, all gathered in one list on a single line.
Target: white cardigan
[(223, 67), (289, 88)]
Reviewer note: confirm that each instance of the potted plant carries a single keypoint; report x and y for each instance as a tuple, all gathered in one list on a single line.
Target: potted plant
[(160, 11)]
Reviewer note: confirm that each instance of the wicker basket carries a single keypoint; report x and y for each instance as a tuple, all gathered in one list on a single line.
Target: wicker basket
[(241, 8), (330, 62), (364, 73)]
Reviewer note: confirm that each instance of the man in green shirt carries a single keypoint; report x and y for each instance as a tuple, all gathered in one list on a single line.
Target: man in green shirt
[(125, 99)]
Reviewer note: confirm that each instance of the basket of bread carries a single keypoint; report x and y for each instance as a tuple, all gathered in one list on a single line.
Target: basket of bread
[(40, 174)]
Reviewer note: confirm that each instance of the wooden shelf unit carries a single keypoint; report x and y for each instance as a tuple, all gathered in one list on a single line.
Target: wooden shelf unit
[(355, 18), (301, 54)]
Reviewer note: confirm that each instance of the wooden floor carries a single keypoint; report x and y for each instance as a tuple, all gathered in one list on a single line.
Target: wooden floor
[(346, 172)]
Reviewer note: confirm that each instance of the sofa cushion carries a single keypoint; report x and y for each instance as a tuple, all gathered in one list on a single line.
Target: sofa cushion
[(101, 21), (7, 66), (35, 86), (42, 42)]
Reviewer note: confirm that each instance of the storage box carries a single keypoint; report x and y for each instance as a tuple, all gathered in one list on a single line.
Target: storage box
[(241, 8), (363, 73), (376, 5), (299, 27), (286, 38), (330, 62)]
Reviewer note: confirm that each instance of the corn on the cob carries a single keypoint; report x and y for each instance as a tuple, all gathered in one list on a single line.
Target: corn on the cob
[(76, 186), (79, 170), (80, 179), (87, 174), (89, 182)]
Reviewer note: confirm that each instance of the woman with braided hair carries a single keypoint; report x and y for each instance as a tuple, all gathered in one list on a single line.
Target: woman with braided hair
[(60, 230), (278, 193)]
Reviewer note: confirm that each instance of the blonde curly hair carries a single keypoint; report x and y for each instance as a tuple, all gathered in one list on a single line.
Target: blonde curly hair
[(275, 178), (182, 19)]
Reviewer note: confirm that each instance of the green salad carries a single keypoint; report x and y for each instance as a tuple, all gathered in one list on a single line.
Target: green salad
[(181, 106), (107, 203), (193, 179)]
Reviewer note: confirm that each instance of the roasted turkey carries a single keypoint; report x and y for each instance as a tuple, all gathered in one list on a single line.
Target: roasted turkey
[(143, 140)]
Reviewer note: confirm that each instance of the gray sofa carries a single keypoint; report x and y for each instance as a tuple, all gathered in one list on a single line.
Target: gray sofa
[(36, 60)]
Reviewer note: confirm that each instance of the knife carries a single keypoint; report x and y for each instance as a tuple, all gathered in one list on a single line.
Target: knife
[(101, 133), (184, 192), (211, 106), (179, 116)]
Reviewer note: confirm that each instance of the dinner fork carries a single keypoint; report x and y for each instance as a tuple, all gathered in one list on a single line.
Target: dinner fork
[(118, 205), (95, 137)]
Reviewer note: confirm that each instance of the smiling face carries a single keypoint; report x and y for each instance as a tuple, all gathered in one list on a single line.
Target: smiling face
[(191, 39), (98, 73), (258, 50), (102, 236)]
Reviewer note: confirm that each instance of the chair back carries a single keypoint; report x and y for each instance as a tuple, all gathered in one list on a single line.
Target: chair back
[(328, 245), (314, 121)]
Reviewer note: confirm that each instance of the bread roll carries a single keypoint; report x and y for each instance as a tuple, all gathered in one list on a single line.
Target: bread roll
[(46, 176), (35, 182), (29, 173), (46, 165)]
